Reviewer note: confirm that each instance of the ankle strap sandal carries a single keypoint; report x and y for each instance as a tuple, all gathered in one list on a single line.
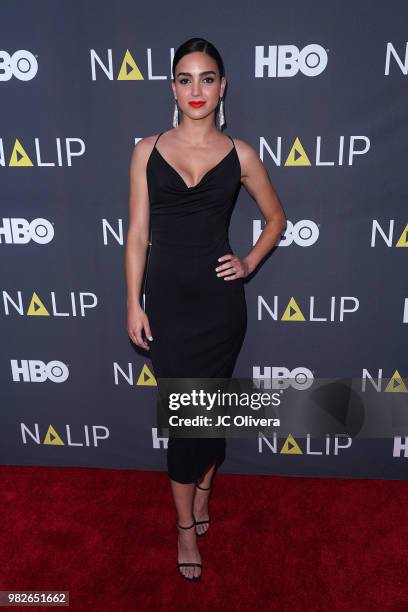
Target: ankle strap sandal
[(192, 578), (206, 521), (203, 488)]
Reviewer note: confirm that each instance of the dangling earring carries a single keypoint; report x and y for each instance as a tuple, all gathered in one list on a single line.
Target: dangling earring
[(221, 118), (176, 115)]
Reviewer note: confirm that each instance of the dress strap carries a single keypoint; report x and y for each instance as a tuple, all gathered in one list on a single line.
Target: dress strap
[(158, 138), (232, 140)]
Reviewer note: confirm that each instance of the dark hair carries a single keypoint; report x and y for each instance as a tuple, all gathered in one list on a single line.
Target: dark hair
[(198, 44)]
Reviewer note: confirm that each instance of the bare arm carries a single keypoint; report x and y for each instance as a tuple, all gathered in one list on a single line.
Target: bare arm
[(256, 181), (137, 241)]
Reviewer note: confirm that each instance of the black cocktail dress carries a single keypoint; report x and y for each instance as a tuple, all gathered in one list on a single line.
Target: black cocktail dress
[(198, 320)]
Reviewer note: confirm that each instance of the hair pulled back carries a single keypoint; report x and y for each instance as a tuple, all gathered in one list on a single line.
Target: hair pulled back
[(198, 44)]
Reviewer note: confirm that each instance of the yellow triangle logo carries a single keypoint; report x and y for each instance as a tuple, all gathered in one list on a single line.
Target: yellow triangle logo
[(146, 378), (51, 437), (293, 312), (19, 156), (291, 447), (396, 384), (129, 70), (297, 155), (37, 308), (403, 239)]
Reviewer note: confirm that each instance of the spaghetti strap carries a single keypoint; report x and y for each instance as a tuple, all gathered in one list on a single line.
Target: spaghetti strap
[(157, 138), (232, 140)]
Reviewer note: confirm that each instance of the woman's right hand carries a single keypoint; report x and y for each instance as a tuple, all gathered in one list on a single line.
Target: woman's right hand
[(137, 322)]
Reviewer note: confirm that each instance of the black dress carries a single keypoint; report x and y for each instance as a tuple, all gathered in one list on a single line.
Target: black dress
[(198, 320)]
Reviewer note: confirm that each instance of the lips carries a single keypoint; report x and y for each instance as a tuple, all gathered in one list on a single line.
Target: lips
[(196, 104)]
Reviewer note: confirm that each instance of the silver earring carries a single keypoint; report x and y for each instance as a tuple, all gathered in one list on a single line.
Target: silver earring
[(221, 118), (175, 115)]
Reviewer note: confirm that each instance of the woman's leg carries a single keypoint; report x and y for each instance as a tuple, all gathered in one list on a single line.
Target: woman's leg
[(206, 478), (187, 540), (200, 504)]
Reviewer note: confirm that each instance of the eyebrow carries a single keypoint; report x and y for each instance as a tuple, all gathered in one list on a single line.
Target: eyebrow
[(200, 74)]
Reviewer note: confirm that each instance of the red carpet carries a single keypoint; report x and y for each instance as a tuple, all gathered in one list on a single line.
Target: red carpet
[(275, 543)]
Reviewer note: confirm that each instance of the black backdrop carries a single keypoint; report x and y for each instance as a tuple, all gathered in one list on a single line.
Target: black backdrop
[(320, 90)]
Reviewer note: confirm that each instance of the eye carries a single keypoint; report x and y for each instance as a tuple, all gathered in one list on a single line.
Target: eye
[(184, 80)]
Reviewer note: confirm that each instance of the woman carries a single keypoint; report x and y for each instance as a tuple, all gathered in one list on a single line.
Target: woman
[(183, 184)]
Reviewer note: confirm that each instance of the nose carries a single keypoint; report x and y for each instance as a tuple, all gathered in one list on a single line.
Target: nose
[(196, 87)]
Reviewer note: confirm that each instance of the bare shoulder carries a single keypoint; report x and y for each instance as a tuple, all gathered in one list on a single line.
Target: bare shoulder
[(248, 156), (142, 150), (245, 150)]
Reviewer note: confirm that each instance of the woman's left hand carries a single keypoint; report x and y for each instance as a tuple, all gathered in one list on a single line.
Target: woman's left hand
[(233, 268)]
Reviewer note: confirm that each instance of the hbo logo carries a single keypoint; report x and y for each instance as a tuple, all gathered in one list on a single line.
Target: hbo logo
[(280, 377), (34, 370), (287, 60), (22, 64), (21, 231), (304, 233)]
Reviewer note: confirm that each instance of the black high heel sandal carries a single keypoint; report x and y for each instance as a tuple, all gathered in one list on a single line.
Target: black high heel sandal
[(200, 535), (193, 578)]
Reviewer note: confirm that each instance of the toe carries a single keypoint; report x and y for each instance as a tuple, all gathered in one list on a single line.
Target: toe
[(201, 529)]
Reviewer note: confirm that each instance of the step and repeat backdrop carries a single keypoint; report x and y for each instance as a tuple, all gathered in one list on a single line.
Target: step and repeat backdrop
[(320, 91)]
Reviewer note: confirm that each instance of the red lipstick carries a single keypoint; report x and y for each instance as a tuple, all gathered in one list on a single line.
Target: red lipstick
[(196, 103)]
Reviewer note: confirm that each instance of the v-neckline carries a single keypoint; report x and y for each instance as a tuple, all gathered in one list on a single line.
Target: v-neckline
[(203, 177)]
